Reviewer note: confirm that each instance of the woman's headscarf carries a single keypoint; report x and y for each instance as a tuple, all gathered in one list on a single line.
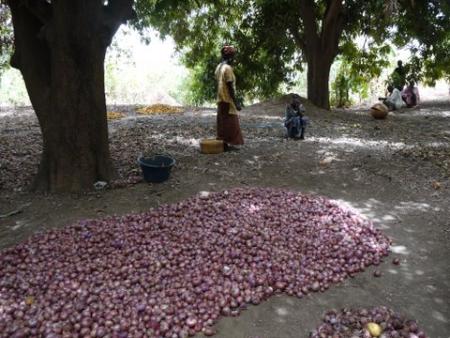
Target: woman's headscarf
[(228, 51)]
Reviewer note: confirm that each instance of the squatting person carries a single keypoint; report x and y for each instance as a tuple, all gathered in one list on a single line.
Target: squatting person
[(294, 121)]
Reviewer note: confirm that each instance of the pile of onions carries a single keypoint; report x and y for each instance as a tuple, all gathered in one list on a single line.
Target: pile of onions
[(172, 272), (355, 323)]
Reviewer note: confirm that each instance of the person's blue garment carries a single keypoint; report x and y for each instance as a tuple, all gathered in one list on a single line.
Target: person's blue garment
[(295, 122)]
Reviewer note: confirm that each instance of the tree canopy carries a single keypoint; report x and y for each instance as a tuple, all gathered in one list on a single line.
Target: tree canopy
[(275, 39), (6, 36), (424, 27)]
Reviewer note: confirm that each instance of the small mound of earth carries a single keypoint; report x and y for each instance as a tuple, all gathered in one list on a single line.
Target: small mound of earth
[(276, 107)]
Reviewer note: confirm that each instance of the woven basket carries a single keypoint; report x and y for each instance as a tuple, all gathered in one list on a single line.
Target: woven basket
[(211, 146)]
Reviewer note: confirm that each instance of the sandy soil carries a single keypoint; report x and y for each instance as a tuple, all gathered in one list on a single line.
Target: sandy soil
[(393, 171)]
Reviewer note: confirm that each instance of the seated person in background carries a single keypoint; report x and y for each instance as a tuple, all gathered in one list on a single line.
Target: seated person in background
[(394, 101), (411, 95), (295, 122)]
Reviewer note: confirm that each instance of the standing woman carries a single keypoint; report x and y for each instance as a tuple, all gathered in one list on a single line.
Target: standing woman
[(228, 128)]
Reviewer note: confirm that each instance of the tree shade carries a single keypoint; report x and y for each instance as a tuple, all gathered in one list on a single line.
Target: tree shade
[(59, 47)]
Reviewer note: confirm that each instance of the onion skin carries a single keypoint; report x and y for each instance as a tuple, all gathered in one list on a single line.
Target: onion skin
[(174, 270)]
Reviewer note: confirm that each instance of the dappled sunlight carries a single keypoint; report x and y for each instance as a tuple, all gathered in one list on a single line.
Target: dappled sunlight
[(404, 245), (269, 117), (356, 142), (405, 268), (281, 311), (383, 226), (439, 316), (327, 157), (421, 113), (280, 319), (166, 139), (413, 206), (191, 142), (326, 153), (366, 209), (437, 144), (11, 113), (210, 113), (431, 288), (400, 249), (409, 230), (346, 205), (256, 165)]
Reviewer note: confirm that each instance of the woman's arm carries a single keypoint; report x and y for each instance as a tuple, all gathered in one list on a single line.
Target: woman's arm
[(233, 95)]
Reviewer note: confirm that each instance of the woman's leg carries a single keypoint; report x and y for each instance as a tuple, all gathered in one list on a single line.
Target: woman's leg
[(220, 120), (228, 128)]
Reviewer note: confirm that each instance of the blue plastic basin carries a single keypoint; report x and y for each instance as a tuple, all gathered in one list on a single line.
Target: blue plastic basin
[(156, 169)]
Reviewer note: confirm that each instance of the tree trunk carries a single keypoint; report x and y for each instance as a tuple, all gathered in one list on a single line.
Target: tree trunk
[(60, 50), (320, 46), (76, 152), (318, 80)]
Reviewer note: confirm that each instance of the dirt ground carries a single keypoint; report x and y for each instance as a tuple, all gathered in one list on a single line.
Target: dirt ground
[(393, 171)]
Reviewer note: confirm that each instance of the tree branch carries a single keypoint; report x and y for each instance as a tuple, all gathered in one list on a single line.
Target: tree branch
[(116, 13), (308, 15), (311, 37), (333, 25), (334, 9), (294, 28), (297, 38)]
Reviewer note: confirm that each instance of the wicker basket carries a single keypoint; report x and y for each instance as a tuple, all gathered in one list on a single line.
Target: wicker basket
[(211, 146)]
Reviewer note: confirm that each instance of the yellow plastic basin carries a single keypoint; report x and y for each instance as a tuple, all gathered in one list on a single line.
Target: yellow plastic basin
[(211, 146)]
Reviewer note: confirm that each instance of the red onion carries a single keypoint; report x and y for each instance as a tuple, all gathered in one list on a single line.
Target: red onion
[(174, 270), (356, 322)]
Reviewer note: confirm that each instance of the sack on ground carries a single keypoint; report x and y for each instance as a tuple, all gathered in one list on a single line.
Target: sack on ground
[(380, 106)]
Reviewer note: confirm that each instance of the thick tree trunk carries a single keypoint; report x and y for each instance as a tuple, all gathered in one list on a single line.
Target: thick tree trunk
[(318, 81), (60, 49), (320, 46), (76, 151)]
